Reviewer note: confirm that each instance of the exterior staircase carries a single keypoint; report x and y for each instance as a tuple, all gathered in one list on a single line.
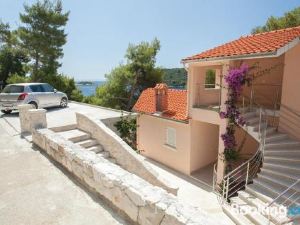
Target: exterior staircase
[(84, 139), (276, 182)]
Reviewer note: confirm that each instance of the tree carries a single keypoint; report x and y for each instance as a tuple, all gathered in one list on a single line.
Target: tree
[(43, 36), (12, 58), (290, 19), (126, 82)]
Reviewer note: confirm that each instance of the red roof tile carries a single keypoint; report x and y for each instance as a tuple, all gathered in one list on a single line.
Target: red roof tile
[(267, 42), (177, 104)]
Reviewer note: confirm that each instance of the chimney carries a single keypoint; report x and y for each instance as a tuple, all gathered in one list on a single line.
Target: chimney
[(161, 97)]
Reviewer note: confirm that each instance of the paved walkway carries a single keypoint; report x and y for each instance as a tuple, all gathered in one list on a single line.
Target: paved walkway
[(64, 116), (33, 191)]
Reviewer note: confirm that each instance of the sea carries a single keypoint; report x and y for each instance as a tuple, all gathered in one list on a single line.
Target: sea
[(89, 89)]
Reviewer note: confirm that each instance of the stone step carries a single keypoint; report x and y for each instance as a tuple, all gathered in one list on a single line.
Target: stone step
[(255, 218), (285, 161), (286, 144), (88, 143), (283, 153), (276, 137), (236, 218), (104, 154), (282, 167), (283, 172), (96, 148), (285, 182), (64, 128), (260, 192), (259, 204), (250, 115), (275, 189), (75, 135), (252, 121)]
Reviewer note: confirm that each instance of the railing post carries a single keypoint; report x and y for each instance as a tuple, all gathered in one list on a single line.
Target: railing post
[(259, 124), (243, 104), (247, 174), (227, 188), (251, 98)]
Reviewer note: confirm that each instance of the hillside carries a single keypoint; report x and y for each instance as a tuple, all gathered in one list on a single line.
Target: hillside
[(175, 77)]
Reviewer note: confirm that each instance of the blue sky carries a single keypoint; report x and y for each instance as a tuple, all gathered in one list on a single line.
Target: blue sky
[(99, 31)]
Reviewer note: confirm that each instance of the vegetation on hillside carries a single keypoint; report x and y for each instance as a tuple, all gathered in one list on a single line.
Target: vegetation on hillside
[(31, 53), (175, 77), (290, 19), (126, 82)]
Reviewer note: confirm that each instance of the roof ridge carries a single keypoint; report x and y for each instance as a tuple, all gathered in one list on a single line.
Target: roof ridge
[(273, 31)]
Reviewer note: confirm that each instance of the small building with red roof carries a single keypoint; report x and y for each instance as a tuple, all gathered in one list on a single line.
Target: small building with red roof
[(182, 128)]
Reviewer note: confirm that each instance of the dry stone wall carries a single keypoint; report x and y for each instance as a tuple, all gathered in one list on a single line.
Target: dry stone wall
[(125, 156), (141, 201)]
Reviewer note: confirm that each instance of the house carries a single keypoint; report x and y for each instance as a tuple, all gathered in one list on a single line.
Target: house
[(270, 142)]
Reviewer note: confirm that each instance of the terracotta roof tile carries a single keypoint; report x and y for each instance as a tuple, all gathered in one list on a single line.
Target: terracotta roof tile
[(177, 104), (253, 44)]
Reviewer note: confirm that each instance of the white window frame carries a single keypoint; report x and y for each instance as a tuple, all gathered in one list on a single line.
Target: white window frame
[(171, 134)]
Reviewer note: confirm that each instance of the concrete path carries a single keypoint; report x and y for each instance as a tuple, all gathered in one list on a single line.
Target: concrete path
[(34, 191), (59, 116)]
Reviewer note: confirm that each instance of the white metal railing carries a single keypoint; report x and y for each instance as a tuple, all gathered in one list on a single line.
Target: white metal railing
[(241, 176)]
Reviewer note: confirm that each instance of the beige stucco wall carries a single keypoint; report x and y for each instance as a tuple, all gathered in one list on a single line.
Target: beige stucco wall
[(268, 79), (151, 137), (289, 121), (204, 149)]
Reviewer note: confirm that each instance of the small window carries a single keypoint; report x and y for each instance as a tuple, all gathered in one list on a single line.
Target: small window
[(171, 137), (36, 88), (48, 88), (210, 78)]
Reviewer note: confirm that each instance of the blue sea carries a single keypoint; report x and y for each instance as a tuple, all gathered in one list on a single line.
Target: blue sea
[(88, 90)]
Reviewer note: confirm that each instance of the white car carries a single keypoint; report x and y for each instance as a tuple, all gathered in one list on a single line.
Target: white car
[(40, 95)]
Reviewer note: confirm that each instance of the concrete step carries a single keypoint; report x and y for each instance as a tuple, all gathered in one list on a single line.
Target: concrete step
[(75, 135), (104, 154), (260, 192), (283, 172), (275, 189), (88, 143), (257, 203), (96, 148), (283, 153), (285, 144), (249, 115), (276, 137), (252, 121), (64, 128), (255, 218), (282, 167), (285, 182), (236, 218), (285, 161)]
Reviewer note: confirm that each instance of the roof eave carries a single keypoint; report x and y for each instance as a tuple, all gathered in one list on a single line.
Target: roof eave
[(276, 53)]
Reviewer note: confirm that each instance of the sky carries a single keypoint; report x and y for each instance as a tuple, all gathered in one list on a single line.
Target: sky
[(99, 31)]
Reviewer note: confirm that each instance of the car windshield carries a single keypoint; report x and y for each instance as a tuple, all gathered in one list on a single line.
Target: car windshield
[(13, 89)]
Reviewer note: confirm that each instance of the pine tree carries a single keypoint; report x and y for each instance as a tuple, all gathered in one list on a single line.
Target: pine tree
[(42, 34)]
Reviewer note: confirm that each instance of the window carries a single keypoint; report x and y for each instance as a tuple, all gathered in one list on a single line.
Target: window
[(48, 88), (210, 78), (13, 89), (171, 137), (36, 88)]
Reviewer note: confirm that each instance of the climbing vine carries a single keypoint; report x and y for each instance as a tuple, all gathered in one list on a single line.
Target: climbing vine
[(235, 79)]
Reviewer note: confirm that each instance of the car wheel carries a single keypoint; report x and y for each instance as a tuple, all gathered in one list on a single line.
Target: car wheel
[(64, 102), (6, 111), (35, 106)]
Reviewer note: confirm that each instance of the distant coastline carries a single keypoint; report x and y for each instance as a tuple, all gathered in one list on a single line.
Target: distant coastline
[(88, 88)]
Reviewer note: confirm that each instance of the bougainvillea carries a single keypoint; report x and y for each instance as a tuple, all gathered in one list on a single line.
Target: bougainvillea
[(235, 79)]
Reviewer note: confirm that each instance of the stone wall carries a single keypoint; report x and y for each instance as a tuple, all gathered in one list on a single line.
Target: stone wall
[(141, 201), (125, 156)]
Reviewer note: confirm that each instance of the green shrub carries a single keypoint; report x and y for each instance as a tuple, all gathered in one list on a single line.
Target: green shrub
[(15, 78)]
